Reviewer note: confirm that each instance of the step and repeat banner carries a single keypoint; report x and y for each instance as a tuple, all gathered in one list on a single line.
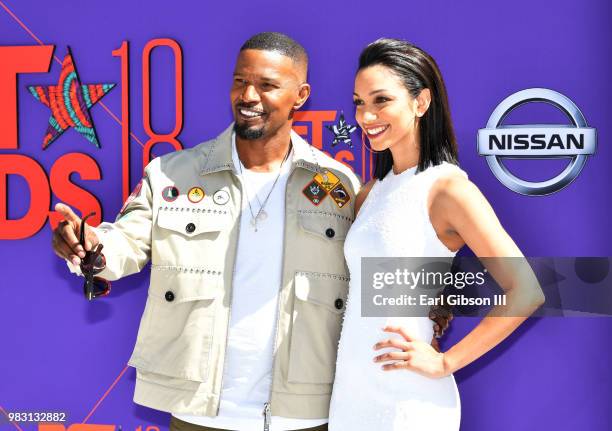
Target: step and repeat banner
[(90, 92)]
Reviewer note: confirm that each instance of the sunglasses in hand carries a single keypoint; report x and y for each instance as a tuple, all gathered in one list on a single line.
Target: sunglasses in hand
[(93, 263)]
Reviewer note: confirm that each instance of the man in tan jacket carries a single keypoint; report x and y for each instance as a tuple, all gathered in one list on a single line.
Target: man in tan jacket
[(245, 236)]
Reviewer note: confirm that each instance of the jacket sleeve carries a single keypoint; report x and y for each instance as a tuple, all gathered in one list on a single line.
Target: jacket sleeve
[(355, 181), (127, 241)]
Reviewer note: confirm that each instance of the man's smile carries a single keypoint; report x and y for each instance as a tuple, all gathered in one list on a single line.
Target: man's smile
[(249, 113)]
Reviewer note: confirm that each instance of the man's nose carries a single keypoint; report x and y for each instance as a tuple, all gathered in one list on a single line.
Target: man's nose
[(250, 94)]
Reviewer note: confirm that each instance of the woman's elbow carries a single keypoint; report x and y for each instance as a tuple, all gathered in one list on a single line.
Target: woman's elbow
[(537, 298)]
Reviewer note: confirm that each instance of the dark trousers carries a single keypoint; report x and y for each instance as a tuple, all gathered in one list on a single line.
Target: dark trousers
[(179, 425)]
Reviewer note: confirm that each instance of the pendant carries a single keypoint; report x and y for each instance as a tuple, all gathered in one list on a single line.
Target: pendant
[(262, 215)]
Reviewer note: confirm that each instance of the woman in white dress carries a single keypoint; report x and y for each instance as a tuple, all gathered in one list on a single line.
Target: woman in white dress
[(420, 204)]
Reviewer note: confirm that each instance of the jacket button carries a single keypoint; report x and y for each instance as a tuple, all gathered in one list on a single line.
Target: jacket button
[(169, 296), (339, 303), (330, 232), (190, 227)]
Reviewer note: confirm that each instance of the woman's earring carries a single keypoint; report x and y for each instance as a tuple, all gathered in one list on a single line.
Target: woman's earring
[(366, 146)]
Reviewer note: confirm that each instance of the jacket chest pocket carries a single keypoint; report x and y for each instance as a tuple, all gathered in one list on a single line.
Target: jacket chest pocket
[(176, 330), (319, 304), (190, 236), (193, 222), (325, 225)]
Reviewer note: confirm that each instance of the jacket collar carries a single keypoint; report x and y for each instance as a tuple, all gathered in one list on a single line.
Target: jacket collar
[(218, 154)]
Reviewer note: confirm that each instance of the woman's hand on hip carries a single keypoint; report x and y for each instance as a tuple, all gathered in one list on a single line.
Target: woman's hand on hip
[(414, 355)]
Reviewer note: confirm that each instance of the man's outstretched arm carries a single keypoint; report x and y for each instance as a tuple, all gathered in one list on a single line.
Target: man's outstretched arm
[(127, 241)]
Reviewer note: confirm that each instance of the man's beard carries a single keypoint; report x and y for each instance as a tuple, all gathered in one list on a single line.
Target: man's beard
[(246, 132)]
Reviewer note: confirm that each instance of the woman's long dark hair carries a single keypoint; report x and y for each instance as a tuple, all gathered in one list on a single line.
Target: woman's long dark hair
[(417, 70)]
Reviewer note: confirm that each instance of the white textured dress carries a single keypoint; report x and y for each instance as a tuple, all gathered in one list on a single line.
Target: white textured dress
[(392, 222)]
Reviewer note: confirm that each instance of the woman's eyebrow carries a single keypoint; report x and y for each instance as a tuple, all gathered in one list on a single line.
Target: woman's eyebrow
[(371, 93), (377, 91)]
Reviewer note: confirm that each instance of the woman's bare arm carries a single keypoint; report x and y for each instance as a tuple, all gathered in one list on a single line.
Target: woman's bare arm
[(457, 204)]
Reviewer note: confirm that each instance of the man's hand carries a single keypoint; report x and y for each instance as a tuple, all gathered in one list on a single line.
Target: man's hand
[(66, 236), (441, 317)]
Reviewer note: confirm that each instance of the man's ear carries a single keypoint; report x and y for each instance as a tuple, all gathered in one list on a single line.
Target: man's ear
[(303, 95), (423, 101)]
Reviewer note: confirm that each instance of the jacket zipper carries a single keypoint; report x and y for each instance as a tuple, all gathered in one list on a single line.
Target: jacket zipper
[(229, 308), (267, 411)]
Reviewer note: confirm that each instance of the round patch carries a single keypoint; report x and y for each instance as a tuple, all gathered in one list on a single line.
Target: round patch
[(221, 197), (195, 194), (170, 193)]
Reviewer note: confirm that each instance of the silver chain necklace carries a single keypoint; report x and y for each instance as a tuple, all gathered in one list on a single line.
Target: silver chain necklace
[(261, 214)]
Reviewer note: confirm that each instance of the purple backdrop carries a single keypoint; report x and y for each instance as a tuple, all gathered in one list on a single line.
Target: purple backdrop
[(61, 353)]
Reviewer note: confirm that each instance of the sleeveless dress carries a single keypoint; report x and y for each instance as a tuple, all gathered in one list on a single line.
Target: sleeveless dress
[(392, 222)]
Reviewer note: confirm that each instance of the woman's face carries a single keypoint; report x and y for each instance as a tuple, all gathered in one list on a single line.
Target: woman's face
[(385, 110)]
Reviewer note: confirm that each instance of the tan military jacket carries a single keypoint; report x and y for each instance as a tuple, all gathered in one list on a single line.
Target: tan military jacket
[(184, 217)]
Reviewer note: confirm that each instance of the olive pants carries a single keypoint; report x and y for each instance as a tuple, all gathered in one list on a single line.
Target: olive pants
[(179, 425)]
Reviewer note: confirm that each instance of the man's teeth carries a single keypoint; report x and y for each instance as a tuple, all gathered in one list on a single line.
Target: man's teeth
[(250, 113), (377, 130)]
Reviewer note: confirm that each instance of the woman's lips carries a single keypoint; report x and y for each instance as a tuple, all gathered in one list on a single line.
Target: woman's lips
[(376, 131)]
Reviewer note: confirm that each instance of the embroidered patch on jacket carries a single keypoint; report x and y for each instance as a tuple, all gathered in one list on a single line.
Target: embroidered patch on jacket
[(195, 194), (135, 193), (170, 193), (327, 180), (314, 192), (340, 195)]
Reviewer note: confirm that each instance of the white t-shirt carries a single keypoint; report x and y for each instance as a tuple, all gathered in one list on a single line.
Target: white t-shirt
[(247, 375)]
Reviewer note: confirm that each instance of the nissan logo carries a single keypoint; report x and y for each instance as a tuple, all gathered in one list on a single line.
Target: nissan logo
[(575, 141)]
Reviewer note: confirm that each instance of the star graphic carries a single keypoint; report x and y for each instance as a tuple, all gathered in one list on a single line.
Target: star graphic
[(69, 102), (342, 132)]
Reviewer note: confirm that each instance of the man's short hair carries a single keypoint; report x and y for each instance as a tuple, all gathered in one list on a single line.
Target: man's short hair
[(278, 42)]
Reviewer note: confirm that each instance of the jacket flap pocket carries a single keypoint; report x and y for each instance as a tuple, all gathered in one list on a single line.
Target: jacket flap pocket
[(328, 290), (316, 322), (327, 225), (176, 284), (193, 221), (176, 332)]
